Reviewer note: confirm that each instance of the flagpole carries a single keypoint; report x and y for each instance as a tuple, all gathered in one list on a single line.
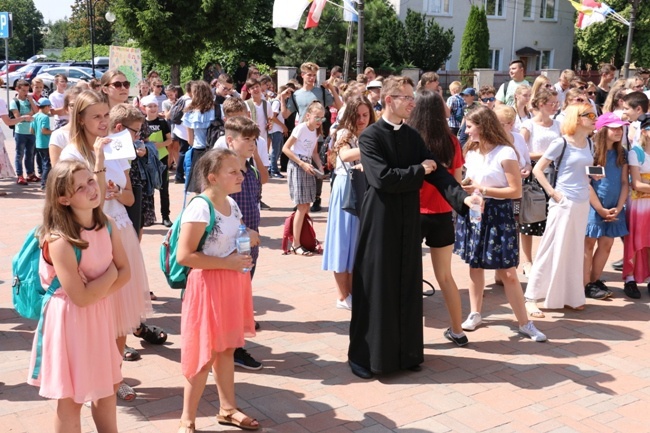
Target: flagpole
[(360, 40), (630, 33)]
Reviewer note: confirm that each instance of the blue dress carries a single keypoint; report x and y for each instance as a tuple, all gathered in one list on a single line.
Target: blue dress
[(608, 190)]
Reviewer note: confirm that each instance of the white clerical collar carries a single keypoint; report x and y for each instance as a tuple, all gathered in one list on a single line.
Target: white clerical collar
[(395, 126)]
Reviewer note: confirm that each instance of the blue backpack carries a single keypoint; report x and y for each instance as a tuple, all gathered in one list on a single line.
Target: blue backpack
[(176, 273)]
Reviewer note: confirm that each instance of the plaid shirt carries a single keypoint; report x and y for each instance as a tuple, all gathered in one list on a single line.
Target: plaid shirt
[(248, 200), (455, 104)]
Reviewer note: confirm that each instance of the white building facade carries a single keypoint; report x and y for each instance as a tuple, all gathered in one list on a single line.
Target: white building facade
[(539, 32)]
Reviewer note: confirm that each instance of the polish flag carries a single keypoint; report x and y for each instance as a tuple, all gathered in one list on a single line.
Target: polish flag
[(315, 11)]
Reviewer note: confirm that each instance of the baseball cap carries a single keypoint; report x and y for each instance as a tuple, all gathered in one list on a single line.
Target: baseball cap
[(44, 102), (610, 120), (469, 91), (149, 99), (374, 84)]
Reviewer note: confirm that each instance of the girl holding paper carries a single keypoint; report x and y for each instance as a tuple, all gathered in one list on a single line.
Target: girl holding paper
[(89, 125)]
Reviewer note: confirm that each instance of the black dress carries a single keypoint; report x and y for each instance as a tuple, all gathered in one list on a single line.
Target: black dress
[(386, 330)]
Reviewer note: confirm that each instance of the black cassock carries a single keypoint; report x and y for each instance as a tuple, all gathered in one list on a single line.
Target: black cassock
[(386, 330)]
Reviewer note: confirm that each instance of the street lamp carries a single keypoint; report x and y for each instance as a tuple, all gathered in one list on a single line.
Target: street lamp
[(110, 17)]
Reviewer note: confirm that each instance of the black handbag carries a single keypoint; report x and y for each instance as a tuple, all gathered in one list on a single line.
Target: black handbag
[(353, 191)]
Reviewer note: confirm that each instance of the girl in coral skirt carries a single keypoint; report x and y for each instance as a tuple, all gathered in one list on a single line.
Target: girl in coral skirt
[(79, 359), (217, 311)]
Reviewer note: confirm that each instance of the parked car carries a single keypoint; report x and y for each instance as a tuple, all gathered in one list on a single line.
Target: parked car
[(27, 73), (74, 74), (101, 63), (11, 67)]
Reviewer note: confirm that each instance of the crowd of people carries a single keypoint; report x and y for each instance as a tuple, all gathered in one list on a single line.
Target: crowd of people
[(463, 175)]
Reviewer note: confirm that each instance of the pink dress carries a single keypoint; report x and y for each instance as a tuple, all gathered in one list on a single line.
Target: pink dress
[(80, 359), (217, 311)]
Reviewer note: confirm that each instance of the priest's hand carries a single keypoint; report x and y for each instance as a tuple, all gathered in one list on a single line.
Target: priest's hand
[(429, 166)]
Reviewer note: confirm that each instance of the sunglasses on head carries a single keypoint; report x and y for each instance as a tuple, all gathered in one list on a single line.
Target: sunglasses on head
[(120, 84), (490, 99)]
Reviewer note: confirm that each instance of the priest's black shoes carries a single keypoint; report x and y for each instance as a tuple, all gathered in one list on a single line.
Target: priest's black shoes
[(360, 371)]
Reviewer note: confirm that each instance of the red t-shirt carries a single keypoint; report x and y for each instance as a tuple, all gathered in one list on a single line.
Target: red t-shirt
[(431, 201)]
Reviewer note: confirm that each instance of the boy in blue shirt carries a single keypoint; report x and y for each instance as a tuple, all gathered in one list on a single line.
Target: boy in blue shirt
[(23, 107), (40, 128)]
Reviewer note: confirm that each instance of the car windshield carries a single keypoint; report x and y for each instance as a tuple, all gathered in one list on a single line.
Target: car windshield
[(89, 72), (23, 68)]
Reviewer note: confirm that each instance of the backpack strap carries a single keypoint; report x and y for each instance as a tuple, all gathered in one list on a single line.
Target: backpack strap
[(208, 228), (559, 161), (54, 286), (640, 154)]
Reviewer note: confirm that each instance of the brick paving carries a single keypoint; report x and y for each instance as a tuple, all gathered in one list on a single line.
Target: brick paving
[(593, 375)]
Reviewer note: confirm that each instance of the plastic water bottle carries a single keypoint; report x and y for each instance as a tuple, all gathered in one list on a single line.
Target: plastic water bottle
[(243, 243), (475, 210)]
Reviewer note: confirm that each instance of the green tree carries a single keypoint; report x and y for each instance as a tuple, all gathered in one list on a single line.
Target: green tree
[(382, 30), (475, 45), (27, 38), (79, 24), (57, 34), (428, 45), (175, 30), (605, 42)]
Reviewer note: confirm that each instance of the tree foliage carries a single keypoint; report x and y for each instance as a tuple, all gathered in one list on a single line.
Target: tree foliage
[(79, 24), (605, 42), (57, 35), (27, 39), (475, 45)]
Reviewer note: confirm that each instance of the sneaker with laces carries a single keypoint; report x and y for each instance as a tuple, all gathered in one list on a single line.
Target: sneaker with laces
[(345, 304), (594, 292), (473, 320), (631, 290), (533, 333), (21, 181), (601, 285), (33, 178), (459, 341), (243, 359)]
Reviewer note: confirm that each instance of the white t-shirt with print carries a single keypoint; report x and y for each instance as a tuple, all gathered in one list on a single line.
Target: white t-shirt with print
[(306, 140), (221, 241), (487, 170), (275, 107)]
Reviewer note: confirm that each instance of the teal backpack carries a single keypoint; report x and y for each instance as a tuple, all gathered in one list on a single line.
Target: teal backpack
[(175, 273), (29, 296)]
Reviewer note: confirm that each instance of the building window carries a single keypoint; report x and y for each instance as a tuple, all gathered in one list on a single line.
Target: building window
[(495, 59), (438, 7), (545, 60), (547, 9), (495, 8), (528, 9)]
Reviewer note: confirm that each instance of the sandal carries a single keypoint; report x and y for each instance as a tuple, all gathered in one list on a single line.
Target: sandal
[(130, 354), (151, 334), (302, 251), (533, 310), (125, 392), (186, 427), (225, 417)]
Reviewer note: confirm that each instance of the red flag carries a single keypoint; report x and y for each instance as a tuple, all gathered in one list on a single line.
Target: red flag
[(315, 12)]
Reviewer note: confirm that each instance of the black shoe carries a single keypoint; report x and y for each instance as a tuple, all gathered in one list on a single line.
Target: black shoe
[(179, 181), (315, 207), (257, 325), (415, 368), (460, 341), (277, 175), (602, 286), (264, 206), (631, 290), (594, 292), (618, 265), (244, 360), (360, 371), (167, 222)]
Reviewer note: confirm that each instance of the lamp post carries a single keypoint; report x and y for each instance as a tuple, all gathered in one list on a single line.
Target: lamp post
[(110, 17)]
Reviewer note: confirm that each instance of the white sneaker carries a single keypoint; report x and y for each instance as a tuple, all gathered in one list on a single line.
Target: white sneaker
[(529, 330), (473, 320), (345, 304)]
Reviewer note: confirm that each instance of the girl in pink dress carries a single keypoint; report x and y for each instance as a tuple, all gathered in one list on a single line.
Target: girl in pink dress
[(217, 308), (80, 361)]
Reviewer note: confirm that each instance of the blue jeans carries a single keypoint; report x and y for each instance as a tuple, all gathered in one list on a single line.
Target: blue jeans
[(47, 165), (277, 140), (25, 146)]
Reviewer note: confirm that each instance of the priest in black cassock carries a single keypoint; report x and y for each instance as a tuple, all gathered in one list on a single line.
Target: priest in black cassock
[(386, 330)]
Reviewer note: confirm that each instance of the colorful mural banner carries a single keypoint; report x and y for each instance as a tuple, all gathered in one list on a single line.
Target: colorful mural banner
[(129, 62)]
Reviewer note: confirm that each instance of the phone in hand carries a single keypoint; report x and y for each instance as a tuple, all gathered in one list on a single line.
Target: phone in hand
[(595, 170)]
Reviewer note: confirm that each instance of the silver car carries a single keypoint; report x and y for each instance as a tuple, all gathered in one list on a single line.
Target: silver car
[(74, 74)]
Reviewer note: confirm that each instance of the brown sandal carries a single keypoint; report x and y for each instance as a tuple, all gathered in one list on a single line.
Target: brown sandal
[(225, 417), (186, 427)]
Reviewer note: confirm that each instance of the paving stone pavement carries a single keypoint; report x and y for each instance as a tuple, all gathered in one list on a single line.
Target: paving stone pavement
[(593, 375)]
